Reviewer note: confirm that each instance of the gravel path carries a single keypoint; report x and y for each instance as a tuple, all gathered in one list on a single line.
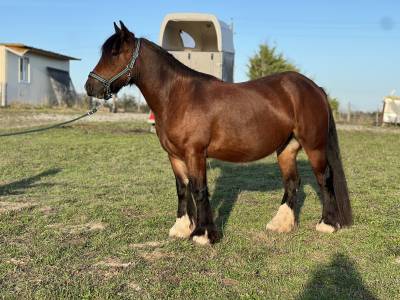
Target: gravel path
[(16, 120), (28, 119)]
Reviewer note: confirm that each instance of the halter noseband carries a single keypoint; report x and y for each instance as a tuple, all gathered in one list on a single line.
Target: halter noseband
[(128, 69)]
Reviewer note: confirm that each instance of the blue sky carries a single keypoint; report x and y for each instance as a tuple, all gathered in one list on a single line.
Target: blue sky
[(349, 47)]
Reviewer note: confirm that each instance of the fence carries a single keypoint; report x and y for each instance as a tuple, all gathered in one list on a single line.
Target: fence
[(359, 117)]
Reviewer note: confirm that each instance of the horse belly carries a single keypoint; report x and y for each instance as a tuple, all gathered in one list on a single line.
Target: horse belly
[(245, 147)]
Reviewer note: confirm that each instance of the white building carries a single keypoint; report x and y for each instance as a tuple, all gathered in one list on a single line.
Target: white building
[(34, 76)]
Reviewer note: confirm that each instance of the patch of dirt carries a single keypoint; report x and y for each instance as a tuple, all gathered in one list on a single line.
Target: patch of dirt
[(150, 251), (74, 229), (18, 262), (111, 267), (113, 263), (397, 260), (134, 286), (153, 244), (15, 206), (154, 255), (229, 282), (47, 210)]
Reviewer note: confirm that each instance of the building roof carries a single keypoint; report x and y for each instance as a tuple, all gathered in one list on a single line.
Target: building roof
[(22, 49)]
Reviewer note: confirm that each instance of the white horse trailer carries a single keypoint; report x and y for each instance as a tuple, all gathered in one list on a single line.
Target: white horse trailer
[(391, 110), (200, 41)]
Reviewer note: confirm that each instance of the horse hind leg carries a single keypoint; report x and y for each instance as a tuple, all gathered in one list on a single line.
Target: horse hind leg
[(332, 216), (284, 220), (319, 165)]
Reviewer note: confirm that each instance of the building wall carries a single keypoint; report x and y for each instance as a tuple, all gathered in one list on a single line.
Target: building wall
[(38, 90), (2, 63), (2, 76)]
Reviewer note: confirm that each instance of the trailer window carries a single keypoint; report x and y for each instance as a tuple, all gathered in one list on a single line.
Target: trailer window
[(187, 40)]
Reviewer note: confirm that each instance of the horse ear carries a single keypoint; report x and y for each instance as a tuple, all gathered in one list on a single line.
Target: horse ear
[(123, 27), (117, 30)]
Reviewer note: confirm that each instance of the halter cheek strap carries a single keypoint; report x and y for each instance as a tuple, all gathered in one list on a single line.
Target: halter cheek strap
[(128, 70)]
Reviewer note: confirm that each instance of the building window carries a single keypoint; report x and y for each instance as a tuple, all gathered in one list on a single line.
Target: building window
[(24, 69)]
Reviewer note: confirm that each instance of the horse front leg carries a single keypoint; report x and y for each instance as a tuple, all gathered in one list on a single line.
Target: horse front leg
[(185, 218), (205, 231)]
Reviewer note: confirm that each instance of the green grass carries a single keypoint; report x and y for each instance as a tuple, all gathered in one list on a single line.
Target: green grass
[(79, 206)]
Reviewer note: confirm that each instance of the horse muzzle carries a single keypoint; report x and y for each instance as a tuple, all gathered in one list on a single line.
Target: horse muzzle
[(96, 89)]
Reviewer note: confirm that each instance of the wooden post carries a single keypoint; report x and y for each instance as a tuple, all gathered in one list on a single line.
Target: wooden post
[(139, 99), (90, 102), (348, 112), (114, 108)]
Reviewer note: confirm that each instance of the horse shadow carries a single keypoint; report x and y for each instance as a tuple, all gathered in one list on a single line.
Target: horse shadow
[(337, 280), (18, 187), (261, 177)]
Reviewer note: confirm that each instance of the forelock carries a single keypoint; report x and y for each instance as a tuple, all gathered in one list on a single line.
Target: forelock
[(113, 42)]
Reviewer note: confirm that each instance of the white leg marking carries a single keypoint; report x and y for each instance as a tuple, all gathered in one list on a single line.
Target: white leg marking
[(202, 239), (283, 221), (182, 227), (322, 227)]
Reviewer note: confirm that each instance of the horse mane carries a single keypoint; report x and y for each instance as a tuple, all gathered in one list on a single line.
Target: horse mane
[(114, 42), (176, 64)]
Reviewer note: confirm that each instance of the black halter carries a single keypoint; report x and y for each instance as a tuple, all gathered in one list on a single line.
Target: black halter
[(128, 69)]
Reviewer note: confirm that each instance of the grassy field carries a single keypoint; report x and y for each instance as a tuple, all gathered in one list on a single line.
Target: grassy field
[(85, 213)]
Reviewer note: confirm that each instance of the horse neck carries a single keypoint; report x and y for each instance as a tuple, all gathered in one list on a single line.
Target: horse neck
[(156, 76)]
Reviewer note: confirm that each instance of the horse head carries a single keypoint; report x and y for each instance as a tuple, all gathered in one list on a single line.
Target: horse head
[(115, 67)]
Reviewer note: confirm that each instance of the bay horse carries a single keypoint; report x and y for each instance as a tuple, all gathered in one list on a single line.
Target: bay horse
[(199, 116)]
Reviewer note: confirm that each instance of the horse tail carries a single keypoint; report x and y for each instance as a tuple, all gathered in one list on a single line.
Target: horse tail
[(336, 179)]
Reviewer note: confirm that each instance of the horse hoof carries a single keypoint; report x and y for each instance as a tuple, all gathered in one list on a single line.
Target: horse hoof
[(283, 221), (325, 228), (205, 236), (182, 228), (202, 239)]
